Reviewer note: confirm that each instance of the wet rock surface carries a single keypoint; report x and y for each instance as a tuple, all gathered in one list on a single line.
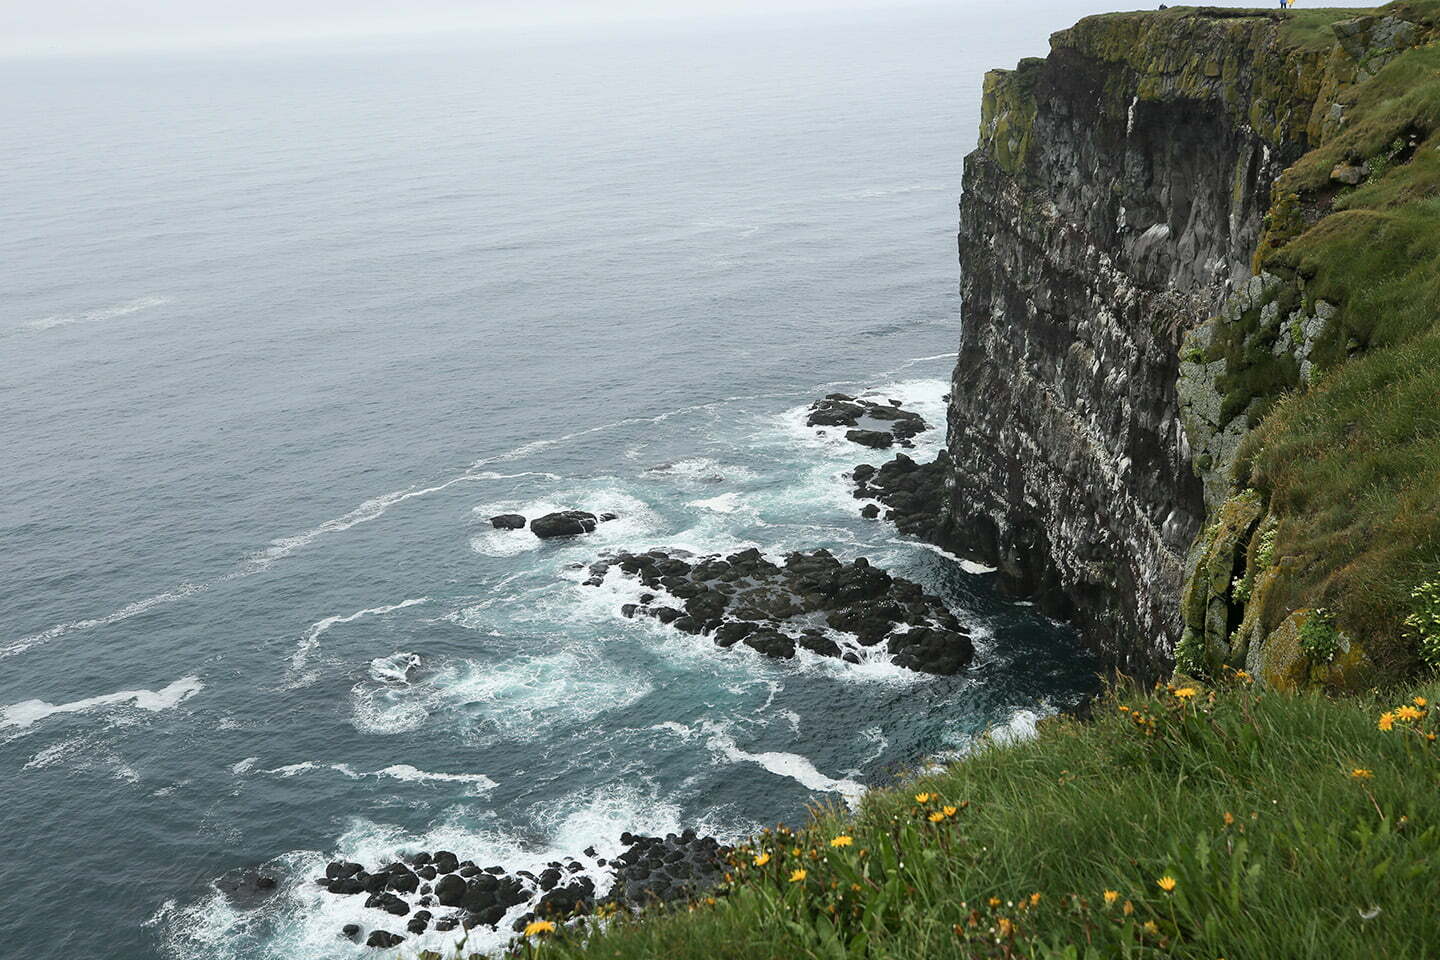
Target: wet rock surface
[(465, 895), (565, 523), (913, 493), (813, 601), (873, 423)]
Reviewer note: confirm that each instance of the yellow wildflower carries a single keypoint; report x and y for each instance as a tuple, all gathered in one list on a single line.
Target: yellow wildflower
[(798, 875), (763, 859), (1420, 701), (1185, 693), (1005, 928), (535, 927), (1111, 896), (1360, 773), (1408, 712), (994, 901), (1034, 898), (1166, 883), (1242, 675), (949, 811), (1229, 818), (1387, 721), (1128, 909), (842, 841), (1151, 927), (936, 817), (923, 798)]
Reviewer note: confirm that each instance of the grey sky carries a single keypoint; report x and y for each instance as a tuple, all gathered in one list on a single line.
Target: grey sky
[(66, 26)]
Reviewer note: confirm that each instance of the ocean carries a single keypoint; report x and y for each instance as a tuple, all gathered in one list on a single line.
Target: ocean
[(282, 328)]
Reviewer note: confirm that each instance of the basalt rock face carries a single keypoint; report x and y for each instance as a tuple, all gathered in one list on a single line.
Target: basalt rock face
[(1113, 204)]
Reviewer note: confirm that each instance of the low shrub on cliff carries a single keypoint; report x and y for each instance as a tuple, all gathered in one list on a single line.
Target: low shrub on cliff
[(1185, 822)]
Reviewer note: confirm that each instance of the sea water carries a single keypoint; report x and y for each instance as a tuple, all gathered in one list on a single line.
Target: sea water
[(282, 328)]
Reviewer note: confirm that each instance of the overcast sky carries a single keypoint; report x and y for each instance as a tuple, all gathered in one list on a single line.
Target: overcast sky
[(70, 26)]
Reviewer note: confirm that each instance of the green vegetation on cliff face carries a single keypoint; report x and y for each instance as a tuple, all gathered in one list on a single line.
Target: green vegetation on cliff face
[(1186, 822), (1338, 362)]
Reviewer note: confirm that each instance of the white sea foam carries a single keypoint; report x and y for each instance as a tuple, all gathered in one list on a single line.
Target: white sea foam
[(311, 637), (521, 699), (724, 503), (28, 712), (478, 782), (396, 668), (790, 765), (99, 316), (969, 566)]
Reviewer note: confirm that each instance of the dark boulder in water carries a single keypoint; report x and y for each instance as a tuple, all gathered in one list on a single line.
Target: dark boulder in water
[(566, 523), (351, 931), (508, 521), (384, 938), (870, 438), (912, 492)]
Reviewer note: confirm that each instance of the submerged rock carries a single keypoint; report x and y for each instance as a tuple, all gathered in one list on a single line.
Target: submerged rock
[(746, 599)]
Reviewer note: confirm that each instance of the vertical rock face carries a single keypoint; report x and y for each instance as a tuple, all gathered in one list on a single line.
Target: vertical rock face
[(1114, 202)]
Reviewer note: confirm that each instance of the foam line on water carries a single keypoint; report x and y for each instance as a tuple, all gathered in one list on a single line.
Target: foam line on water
[(311, 638), (478, 782), (99, 316), (969, 566), (790, 765), (29, 712)]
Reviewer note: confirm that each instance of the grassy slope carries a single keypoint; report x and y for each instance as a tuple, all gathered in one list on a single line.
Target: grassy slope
[(1306, 853), (1351, 464)]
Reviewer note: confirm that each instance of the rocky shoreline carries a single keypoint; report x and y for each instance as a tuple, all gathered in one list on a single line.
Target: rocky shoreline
[(436, 890)]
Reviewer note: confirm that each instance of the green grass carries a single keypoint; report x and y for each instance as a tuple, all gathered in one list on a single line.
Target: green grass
[(1350, 463), (1247, 800)]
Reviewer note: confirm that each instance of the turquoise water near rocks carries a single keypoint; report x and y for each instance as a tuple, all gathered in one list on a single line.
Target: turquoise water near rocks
[(282, 329)]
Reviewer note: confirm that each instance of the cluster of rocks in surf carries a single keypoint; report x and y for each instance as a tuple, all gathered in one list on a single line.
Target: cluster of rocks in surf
[(438, 891), (745, 598), (912, 493), (564, 523), (871, 424)]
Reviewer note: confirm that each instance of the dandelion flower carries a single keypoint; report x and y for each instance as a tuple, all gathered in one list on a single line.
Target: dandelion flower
[(1360, 773), (1420, 701), (1111, 896), (535, 927), (1185, 693), (763, 859), (1128, 909), (1229, 818), (949, 811), (1408, 712), (994, 901), (1242, 675), (798, 875), (1166, 883), (1387, 721), (1034, 898), (923, 798), (936, 817), (1005, 928), (1151, 927), (842, 841)]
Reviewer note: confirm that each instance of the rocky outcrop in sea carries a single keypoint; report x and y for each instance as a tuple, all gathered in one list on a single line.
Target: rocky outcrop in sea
[(812, 601)]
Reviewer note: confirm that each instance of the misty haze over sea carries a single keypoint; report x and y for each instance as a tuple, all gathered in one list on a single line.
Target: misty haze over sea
[(283, 328)]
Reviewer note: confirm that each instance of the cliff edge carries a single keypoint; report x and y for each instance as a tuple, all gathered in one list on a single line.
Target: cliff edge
[(1195, 405)]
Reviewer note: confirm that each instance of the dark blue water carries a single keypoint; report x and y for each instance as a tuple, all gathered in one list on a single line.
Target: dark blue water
[(279, 332)]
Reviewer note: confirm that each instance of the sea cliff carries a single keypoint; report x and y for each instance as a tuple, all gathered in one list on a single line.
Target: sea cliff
[(1179, 233)]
